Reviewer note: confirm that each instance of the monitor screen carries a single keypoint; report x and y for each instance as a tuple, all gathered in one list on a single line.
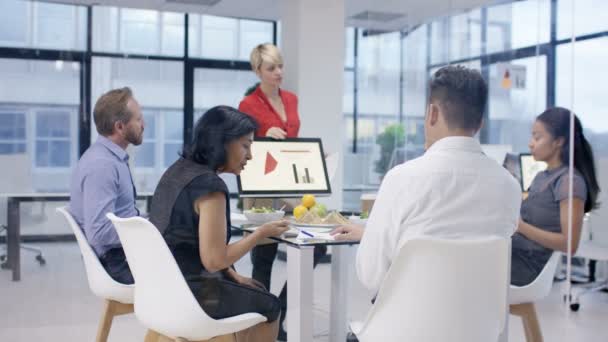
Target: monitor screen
[(511, 163), (529, 168), (496, 152), (285, 168)]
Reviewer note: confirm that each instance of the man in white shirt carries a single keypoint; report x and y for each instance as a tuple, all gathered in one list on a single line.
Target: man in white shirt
[(452, 191)]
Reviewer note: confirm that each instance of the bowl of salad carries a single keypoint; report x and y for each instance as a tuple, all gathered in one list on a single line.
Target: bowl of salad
[(359, 219), (262, 215)]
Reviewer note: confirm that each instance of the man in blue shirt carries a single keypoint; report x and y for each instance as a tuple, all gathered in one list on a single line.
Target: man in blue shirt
[(102, 183)]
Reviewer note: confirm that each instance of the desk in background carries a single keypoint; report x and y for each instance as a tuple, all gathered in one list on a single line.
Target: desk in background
[(13, 216)]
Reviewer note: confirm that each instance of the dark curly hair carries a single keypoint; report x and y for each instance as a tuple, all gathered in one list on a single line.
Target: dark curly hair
[(462, 94), (218, 127)]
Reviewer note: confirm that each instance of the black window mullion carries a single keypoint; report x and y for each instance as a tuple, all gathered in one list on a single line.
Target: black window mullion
[(484, 133), (402, 36), (551, 57), (85, 112), (355, 87)]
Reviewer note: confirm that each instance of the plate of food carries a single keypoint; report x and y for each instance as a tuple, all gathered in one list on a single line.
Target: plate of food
[(311, 215), (312, 220), (263, 215)]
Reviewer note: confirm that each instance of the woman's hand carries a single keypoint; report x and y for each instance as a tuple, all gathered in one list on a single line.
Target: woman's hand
[(276, 133), (272, 229), (351, 232)]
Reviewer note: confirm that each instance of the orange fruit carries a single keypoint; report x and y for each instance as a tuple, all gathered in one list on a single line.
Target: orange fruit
[(308, 201), (299, 211)]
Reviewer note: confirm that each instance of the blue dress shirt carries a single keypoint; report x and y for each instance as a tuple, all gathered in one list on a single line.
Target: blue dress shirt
[(101, 183)]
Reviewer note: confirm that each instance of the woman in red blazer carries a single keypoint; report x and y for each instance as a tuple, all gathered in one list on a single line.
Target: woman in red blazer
[(274, 109), (276, 112)]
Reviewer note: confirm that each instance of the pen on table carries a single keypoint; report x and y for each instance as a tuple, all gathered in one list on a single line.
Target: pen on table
[(305, 232)]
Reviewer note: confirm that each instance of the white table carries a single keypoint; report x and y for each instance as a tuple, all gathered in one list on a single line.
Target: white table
[(300, 295), (13, 229)]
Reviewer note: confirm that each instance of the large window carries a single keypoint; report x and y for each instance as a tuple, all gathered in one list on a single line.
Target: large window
[(584, 92), (53, 138), (145, 32), (163, 135), (378, 99), (226, 38), (586, 16), (456, 37), (39, 124), (42, 25), (145, 154), (517, 94), (518, 24), (213, 87), (158, 87), (12, 131)]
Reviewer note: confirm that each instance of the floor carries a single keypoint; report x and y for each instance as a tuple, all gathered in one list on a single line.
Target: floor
[(53, 303)]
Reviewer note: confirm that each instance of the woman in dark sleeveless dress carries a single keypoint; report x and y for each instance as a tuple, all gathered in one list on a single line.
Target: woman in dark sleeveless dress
[(191, 209), (543, 226)]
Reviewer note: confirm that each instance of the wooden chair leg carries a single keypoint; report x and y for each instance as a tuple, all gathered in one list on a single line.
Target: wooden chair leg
[(151, 336), (106, 322), (223, 338), (527, 312), (111, 308)]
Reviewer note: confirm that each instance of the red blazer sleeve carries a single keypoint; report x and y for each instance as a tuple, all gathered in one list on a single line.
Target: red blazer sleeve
[(292, 127), (247, 106)]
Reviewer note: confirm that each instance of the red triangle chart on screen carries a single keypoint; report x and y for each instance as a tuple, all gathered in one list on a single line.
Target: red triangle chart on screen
[(271, 163)]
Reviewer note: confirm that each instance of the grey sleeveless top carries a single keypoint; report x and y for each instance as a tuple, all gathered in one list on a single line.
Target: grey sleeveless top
[(541, 208), (172, 210)]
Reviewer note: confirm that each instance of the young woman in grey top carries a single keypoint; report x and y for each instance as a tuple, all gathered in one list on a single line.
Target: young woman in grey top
[(543, 225)]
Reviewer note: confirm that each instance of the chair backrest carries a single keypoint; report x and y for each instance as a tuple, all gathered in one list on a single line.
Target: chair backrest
[(442, 290), (163, 300), (100, 282)]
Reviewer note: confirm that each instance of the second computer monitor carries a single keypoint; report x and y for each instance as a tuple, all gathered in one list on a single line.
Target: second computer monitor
[(529, 168)]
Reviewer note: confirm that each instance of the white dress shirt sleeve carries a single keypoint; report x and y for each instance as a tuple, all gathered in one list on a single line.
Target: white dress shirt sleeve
[(379, 240)]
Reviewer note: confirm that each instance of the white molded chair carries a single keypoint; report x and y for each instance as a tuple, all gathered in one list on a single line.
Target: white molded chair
[(522, 298), (118, 297), (596, 246), (163, 300), (591, 250), (441, 290)]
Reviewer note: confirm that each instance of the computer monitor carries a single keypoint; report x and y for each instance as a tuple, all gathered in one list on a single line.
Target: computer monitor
[(285, 168), (496, 152), (529, 168), (511, 163)]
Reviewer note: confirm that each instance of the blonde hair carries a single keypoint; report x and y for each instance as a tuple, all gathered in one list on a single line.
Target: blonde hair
[(265, 53)]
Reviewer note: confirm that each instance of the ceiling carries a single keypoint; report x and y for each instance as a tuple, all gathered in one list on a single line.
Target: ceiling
[(393, 14)]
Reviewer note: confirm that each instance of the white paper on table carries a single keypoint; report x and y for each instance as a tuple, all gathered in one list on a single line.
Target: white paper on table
[(315, 235)]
